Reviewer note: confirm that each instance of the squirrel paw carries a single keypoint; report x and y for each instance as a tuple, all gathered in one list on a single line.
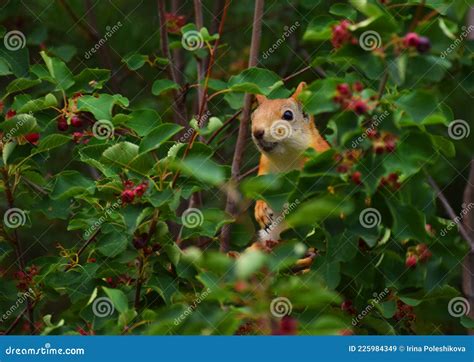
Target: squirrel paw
[(263, 214)]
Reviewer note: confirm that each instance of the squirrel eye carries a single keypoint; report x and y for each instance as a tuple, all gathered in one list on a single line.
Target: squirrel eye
[(288, 115)]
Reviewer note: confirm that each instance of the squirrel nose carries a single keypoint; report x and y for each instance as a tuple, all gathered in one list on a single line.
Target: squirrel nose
[(258, 134)]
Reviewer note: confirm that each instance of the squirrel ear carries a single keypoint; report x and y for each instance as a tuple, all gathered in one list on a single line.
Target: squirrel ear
[(260, 98), (298, 90)]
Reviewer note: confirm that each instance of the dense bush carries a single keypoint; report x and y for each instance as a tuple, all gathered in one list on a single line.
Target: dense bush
[(114, 194)]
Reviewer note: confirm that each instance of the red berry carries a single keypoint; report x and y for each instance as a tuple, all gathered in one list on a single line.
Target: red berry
[(393, 177), (62, 124), (344, 89), (1, 106), (76, 121), (356, 178), (425, 255), (76, 136), (32, 138), (360, 107), (140, 189), (371, 133), (128, 196), (346, 332), (423, 44), (140, 241), (411, 261), (128, 184), (390, 146), (346, 305), (10, 114), (288, 326), (379, 149), (358, 86), (411, 39), (342, 169)]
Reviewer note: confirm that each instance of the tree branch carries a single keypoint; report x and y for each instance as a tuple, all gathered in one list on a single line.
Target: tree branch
[(449, 210), (242, 136)]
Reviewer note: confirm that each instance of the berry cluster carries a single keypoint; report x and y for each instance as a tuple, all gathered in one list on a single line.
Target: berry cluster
[(420, 43), (25, 278), (174, 23), (342, 35), (83, 332), (122, 279), (288, 326), (346, 160), (30, 137), (390, 181), (131, 191), (404, 311), (382, 142), (347, 306), (350, 99), (419, 253)]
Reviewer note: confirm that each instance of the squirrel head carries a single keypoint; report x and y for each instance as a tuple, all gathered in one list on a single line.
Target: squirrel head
[(280, 126)]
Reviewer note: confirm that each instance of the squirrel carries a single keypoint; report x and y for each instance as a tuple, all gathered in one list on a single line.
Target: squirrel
[(282, 132)]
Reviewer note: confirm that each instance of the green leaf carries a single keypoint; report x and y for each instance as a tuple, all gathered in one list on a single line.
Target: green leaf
[(255, 80), (135, 61), (101, 106), (19, 125), (112, 244), (21, 84), (70, 183), (319, 29), (90, 79), (249, 263), (118, 298), (59, 71), (202, 169), (163, 85), (39, 104), (419, 105), (319, 209), (408, 222), (52, 141), (159, 135), (143, 121), (344, 10)]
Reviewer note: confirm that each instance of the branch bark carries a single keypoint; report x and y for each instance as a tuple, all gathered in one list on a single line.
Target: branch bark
[(20, 258), (231, 206), (179, 106), (468, 269)]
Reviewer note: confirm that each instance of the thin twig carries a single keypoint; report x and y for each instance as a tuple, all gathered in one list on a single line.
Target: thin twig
[(450, 211), (179, 107), (243, 127), (383, 83)]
